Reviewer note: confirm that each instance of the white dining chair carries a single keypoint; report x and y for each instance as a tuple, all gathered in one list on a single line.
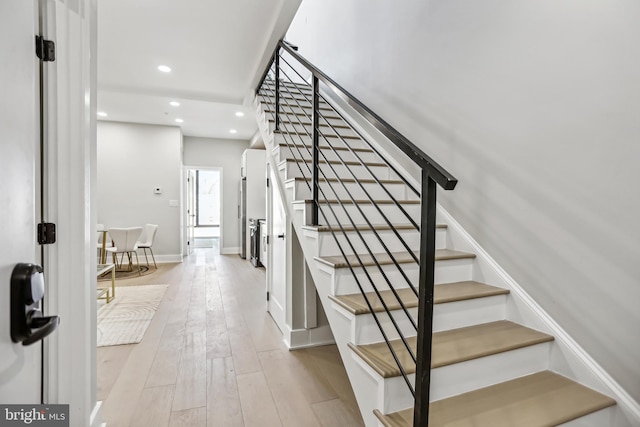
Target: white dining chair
[(125, 241), (150, 235)]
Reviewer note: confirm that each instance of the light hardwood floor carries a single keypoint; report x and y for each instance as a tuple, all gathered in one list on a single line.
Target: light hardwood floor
[(213, 357)]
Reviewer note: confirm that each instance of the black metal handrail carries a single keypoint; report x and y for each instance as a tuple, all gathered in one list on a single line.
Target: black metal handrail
[(432, 174)]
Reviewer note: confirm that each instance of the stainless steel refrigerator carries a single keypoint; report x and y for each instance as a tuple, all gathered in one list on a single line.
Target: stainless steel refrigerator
[(242, 213)]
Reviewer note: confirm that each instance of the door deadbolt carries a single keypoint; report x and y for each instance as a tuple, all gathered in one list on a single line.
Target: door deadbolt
[(27, 290)]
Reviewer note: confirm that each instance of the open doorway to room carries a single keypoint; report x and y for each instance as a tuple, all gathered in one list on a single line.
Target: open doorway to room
[(205, 220)]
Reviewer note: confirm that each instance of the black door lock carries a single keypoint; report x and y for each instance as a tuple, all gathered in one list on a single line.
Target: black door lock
[(27, 289)]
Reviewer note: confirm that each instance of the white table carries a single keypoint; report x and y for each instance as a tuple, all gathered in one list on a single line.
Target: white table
[(107, 293)]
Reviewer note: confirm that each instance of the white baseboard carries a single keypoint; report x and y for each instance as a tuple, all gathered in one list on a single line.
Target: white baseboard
[(583, 368), (305, 338), (230, 250), (162, 259)]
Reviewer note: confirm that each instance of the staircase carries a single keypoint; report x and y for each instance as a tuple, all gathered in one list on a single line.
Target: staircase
[(363, 248)]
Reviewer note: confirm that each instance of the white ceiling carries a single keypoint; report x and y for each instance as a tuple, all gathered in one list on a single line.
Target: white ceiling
[(217, 50)]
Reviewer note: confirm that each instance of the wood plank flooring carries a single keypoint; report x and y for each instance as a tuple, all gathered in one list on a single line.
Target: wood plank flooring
[(212, 356)]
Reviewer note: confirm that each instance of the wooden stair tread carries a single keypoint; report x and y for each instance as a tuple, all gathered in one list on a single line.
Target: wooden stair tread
[(287, 97), (322, 107), (326, 147), (272, 83), (444, 293), (323, 135), (452, 346), (350, 180), (337, 162), (301, 123), (383, 259), (362, 227), (294, 113), (360, 201), (541, 399), (267, 109)]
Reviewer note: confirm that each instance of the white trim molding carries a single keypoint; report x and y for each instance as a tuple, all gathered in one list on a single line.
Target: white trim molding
[(232, 250), (296, 339), (164, 259), (70, 182)]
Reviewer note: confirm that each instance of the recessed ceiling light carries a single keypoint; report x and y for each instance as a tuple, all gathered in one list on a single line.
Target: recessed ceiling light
[(164, 68), (102, 114), (179, 120), (239, 113), (233, 131), (174, 103)]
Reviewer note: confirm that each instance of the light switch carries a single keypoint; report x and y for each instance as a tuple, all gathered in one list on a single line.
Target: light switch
[(173, 203)]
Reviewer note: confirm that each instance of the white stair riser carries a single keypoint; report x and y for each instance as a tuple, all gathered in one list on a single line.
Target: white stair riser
[(300, 101), (343, 282), (292, 112), (603, 417), (299, 126), (288, 97), (298, 104), (454, 270), (459, 314), (351, 214), (375, 191), (280, 138), (446, 316), (328, 246), (463, 377), (284, 152), (302, 169), (466, 376), (364, 329)]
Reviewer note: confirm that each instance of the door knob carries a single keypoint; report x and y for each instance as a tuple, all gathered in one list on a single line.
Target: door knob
[(280, 236)]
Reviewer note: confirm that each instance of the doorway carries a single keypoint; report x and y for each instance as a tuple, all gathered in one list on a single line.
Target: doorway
[(204, 208), (279, 225)]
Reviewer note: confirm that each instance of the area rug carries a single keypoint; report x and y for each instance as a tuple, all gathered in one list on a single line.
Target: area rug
[(126, 274), (126, 318)]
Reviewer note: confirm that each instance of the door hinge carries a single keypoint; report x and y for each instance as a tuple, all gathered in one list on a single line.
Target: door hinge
[(46, 233), (267, 182), (267, 295), (45, 49)]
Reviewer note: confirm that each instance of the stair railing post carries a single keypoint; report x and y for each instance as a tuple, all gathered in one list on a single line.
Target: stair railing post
[(276, 61), (425, 300), (316, 152)]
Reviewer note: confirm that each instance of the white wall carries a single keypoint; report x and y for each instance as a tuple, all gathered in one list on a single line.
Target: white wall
[(225, 154), (533, 106), (133, 159)]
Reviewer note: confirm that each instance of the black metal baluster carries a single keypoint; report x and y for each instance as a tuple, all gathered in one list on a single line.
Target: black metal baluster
[(276, 59), (425, 300), (316, 151)]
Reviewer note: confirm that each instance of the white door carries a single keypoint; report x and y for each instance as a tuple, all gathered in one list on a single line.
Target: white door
[(277, 239), (191, 210), (20, 372)]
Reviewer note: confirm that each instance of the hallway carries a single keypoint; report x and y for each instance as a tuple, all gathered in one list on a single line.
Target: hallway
[(212, 356)]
